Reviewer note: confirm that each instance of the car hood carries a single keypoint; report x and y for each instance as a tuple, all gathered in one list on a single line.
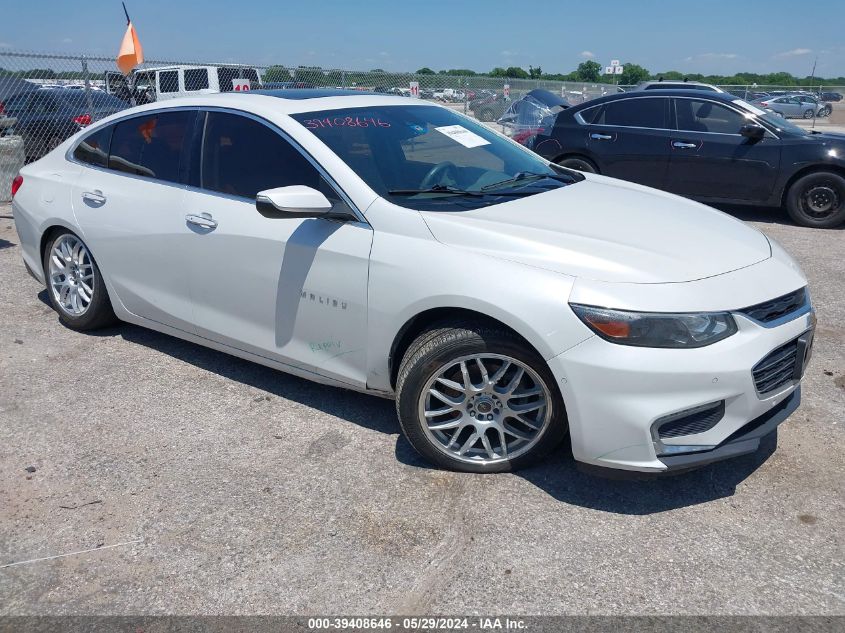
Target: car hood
[(607, 230)]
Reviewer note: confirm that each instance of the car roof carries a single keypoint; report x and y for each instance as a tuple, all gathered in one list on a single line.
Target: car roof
[(311, 93), (291, 101), (668, 92)]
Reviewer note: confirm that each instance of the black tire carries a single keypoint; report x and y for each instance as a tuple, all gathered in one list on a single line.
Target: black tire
[(445, 342), (808, 114), (99, 312), (579, 163), (809, 197)]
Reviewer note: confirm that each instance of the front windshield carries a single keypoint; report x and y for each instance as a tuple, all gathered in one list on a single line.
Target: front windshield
[(779, 123), (429, 157)]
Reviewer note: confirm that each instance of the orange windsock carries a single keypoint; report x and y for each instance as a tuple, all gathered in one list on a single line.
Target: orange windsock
[(131, 54)]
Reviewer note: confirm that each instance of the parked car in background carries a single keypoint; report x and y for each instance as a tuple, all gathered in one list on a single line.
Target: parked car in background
[(532, 114), (831, 96), (660, 84), (396, 247), (708, 146), (792, 106), (146, 85), (488, 105), (45, 118)]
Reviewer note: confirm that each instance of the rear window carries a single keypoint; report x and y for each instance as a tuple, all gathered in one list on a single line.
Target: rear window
[(150, 145), (225, 75), (99, 99), (196, 79)]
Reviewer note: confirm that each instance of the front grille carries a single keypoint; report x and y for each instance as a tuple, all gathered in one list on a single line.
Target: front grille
[(691, 421), (776, 308), (777, 369)]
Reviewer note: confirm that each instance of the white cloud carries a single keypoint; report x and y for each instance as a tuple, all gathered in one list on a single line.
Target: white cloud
[(508, 53), (795, 52), (5, 45), (67, 40), (587, 54), (384, 54)]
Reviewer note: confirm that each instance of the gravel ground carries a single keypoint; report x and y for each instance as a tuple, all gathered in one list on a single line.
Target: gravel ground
[(196, 483)]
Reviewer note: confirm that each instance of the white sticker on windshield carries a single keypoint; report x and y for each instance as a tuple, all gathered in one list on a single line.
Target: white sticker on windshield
[(462, 135), (748, 106)]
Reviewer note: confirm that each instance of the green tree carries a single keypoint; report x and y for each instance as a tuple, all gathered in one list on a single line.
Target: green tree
[(535, 73), (425, 70), (277, 73), (633, 74), (588, 71), (498, 72), (515, 72)]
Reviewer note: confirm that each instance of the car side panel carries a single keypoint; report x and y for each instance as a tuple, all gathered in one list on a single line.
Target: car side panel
[(410, 272)]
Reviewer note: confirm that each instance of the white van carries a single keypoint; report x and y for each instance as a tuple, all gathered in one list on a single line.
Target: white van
[(170, 82)]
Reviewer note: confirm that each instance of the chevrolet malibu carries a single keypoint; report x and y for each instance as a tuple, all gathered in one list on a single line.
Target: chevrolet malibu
[(399, 248)]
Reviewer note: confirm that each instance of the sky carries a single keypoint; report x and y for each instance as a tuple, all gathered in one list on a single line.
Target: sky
[(716, 36)]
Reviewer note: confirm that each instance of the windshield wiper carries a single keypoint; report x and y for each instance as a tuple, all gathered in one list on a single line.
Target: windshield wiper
[(442, 189), (526, 175)]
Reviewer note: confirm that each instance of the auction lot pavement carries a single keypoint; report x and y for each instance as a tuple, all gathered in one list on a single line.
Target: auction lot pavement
[(196, 483)]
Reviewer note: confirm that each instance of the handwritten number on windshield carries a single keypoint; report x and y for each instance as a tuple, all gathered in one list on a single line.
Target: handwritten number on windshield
[(341, 121)]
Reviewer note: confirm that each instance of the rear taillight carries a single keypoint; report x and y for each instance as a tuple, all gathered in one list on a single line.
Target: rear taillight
[(765, 104), (523, 136), (82, 119), (17, 181), (2, 107)]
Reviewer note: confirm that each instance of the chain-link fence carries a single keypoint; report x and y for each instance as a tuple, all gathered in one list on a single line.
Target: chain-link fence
[(45, 98)]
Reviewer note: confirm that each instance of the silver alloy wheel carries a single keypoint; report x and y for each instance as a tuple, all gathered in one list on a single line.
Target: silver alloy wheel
[(71, 273), (485, 408)]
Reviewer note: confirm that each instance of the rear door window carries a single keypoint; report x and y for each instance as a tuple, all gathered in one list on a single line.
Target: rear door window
[(649, 112), (151, 145), (94, 148)]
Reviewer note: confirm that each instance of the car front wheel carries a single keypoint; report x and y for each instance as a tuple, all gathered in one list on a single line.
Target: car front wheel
[(474, 398), (578, 163), (817, 200), (74, 284), (808, 114)]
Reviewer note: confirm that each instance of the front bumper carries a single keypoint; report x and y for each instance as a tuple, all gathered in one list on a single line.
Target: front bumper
[(614, 394)]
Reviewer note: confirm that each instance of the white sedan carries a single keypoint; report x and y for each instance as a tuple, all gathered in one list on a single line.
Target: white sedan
[(397, 247)]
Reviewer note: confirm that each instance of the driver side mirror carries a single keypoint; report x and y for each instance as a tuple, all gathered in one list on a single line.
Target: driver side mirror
[(753, 131), (295, 201)]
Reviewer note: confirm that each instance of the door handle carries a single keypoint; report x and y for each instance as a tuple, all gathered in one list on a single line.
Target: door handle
[(596, 136), (95, 196), (203, 220), (682, 145)]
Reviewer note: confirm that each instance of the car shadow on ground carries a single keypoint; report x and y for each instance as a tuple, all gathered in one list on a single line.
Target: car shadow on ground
[(557, 475), (5, 243), (768, 215)]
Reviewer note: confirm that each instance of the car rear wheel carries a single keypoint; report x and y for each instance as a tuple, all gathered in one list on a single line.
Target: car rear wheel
[(579, 163), (74, 284), (473, 398), (817, 200)]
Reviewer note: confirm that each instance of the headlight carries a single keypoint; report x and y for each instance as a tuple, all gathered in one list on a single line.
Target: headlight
[(656, 329)]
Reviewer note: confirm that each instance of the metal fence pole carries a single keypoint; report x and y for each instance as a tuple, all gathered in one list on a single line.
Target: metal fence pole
[(86, 77)]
